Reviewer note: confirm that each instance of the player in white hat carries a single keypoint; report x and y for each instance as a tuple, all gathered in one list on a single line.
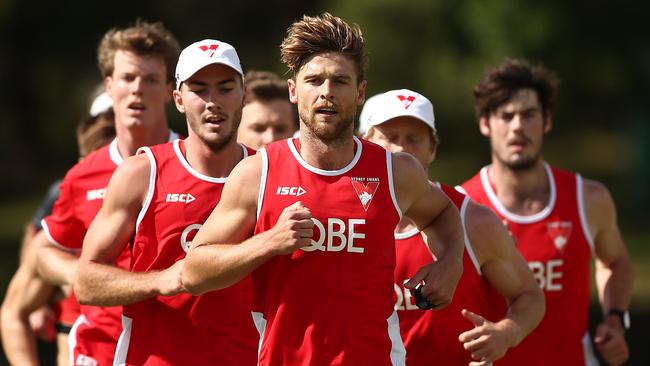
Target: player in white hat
[(469, 329), (156, 202)]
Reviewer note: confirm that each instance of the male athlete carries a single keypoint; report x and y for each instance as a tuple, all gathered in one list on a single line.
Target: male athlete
[(156, 201), (313, 217), (268, 115), (558, 220), (137, 66), (467, 331)]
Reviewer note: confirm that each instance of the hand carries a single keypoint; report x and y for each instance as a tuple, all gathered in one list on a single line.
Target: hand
[(487, 341), (42, 321), (169, 280), (610, 342), (293, 230), (439, 283)]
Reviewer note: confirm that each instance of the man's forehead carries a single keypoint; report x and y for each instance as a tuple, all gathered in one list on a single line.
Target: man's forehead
[(329, 63), (127, 60), (523, 99)]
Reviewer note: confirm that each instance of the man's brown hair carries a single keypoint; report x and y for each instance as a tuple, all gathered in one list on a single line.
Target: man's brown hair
[(266, 86), (325, 33), (142, 39), (503, 81), (94, 132)]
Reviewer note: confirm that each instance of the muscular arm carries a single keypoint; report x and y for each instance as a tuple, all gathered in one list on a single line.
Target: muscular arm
[(26, 293), (613, 270), (507, 272), (220, 254), (430, 209), (98, 280)]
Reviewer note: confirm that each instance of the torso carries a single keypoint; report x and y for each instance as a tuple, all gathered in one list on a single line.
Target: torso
[(174, 330), (557, 246), (431, 337), (330, 303)]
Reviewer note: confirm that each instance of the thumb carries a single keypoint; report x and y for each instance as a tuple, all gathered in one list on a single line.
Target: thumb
[(602, 332), (473, 317), (417, 278)]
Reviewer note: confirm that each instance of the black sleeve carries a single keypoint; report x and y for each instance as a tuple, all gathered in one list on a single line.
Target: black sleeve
[(46, 205)]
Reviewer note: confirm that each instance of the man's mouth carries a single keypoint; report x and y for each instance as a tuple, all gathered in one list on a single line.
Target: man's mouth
[(326, 111), (136, 106)]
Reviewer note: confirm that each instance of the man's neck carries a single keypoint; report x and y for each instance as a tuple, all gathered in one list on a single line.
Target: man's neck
[(326, 155), (524, 192), (210, 163), (129, 140)]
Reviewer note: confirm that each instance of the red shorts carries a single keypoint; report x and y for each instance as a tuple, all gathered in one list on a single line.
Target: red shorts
[(90, 346)]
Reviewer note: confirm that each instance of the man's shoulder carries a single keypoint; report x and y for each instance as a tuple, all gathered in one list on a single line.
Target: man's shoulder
[(97, 165)]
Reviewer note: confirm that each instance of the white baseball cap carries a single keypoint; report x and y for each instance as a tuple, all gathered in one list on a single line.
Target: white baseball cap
[(203, 53), (102, 103), (395, 103)]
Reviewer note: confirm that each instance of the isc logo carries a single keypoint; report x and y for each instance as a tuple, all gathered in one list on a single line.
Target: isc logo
[(335, 234), (290, 191), (180, 197), (548, 274)]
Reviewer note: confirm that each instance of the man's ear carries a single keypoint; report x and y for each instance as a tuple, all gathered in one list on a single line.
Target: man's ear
[(293, 98), (548, 122), (178, 100), (361, 92), (484, 125)]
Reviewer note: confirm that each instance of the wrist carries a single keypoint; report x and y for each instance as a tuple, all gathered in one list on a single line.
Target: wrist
[(618, 318), (512, 330)]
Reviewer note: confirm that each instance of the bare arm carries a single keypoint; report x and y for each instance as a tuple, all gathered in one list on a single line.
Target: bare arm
[(506, 271), (98, 280), (221, 254), (25, 294), (613, 270), (430, 209), (55, 265)]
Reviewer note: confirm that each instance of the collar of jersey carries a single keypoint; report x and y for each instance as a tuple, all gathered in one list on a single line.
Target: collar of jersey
[(345, 169)]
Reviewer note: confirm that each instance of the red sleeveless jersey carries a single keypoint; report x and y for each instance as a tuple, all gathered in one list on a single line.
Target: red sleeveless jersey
[(330, 303), (557, 245), (431, 337), (94, 335), (212, 329)]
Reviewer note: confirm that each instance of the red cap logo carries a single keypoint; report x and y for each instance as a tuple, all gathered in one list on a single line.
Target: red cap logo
[(406, 100), (213, 47)]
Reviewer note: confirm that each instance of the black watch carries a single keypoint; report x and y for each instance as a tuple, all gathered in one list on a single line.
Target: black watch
[(623, 316)]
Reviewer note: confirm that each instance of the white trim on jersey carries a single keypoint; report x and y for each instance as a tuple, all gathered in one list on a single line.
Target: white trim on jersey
[(397, 349), (72, 337), (260, 325), (194, 172), (152, 185), (510, 216), (406, 235), (461, 190), (122, 349), (391, 185), (114, 153), (468, 243), (46, 230), (588, 351), (263, 177), (329, 173), (583, 213)]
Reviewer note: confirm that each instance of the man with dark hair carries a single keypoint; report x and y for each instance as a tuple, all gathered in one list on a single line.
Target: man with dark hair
[(312, 219), (558, 219), (268, 115), (137, 63)]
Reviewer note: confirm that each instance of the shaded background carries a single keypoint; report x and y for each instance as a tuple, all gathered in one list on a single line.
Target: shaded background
[(600, 49)]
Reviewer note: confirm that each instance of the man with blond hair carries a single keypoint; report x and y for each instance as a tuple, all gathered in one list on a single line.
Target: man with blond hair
[(312, 219)]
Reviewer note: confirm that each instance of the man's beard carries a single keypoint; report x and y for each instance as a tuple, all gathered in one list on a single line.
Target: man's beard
[(216, 146), (523, 164), (327, 132)]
